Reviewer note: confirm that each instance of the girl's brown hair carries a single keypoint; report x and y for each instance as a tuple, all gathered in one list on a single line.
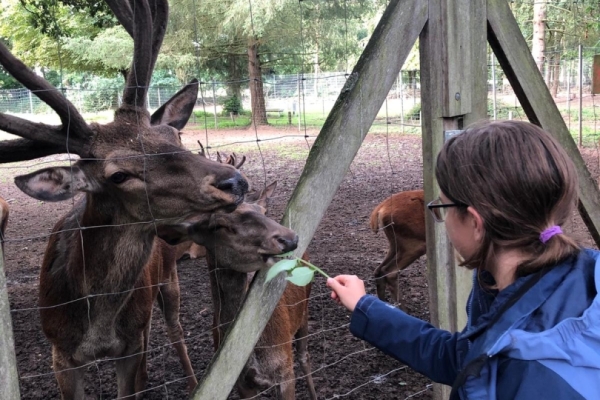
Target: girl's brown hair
[(520, 180)]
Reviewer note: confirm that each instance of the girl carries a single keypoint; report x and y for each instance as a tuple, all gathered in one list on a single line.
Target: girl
[(533, 328)]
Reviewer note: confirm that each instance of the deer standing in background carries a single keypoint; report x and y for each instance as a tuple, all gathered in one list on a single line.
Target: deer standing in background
[(102, 262), (236, 244), (402, 219)]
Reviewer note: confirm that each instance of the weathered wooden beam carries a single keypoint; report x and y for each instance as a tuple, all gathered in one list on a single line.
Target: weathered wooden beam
[(327, 163), (519, 66), (443, 60), (9, 376), (453, 94)]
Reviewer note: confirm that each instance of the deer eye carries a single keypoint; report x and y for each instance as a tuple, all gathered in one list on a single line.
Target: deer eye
[(118, 177)]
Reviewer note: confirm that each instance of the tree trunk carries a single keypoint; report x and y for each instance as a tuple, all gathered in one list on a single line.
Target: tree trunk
[(555, 76), (234, 86), (558, 36), (257, 96), (539, 31)]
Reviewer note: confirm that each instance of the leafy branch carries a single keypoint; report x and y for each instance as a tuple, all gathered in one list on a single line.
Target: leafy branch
[(300, 272)]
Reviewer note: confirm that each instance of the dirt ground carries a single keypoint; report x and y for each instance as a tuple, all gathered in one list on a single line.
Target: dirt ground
[(342, 365)]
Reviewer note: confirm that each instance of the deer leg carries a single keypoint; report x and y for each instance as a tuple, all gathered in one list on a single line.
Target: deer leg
[(403, 259), (381, 272), (141, 378), (396, 260), (70, 378), (169, 304), (286, 390), (127, 368), (304, 357)]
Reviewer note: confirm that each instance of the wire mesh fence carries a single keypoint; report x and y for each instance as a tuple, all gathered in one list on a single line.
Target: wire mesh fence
[(305, 100), (297, 106)]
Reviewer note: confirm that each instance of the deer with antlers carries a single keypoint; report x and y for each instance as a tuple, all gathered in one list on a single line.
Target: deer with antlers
[(237, 244), (104, 263), (188, 249), (402, 218)]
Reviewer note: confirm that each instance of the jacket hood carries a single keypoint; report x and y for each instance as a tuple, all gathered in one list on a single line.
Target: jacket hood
[(556, 323)]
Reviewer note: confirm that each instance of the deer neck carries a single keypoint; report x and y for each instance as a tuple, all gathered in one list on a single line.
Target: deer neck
[(110, 253), (228, 289)]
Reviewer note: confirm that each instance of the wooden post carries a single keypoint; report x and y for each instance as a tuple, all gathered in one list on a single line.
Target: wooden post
[(517, 62), (348, 122), (215, 103), (9, 376), (454, 94)]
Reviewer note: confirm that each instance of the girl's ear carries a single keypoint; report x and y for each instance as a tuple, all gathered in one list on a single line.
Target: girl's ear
[(477, 221)]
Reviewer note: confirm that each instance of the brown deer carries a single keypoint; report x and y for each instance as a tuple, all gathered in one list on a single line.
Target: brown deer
[(236, 244), (402, 219), (103, 261), (189, 249)]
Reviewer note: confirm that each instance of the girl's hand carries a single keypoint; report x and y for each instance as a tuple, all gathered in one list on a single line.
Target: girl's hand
[(347, 290)]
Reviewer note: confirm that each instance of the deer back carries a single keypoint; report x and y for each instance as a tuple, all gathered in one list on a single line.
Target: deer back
[(401, 215)]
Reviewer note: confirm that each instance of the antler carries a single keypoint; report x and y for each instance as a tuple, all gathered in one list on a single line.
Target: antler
[(234, 161), (41, 139), (146, 23)]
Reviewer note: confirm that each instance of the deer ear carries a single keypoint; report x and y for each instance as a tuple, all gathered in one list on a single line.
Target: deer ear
[(53, 184), (265, 194), (177, 110)]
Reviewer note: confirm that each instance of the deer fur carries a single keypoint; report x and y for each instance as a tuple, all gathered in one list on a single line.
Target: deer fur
[(103, 258), (189, 249), (272, 361), (402, 218), (236, 245)]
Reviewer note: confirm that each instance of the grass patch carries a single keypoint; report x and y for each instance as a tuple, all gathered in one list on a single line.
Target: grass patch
[(294, 153), (206, 120)]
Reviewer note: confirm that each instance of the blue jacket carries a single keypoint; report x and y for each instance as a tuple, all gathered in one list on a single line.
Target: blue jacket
[(546, 345)]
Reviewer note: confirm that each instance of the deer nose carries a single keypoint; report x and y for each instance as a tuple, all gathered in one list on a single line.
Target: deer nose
[(237, 186), (287, 244)]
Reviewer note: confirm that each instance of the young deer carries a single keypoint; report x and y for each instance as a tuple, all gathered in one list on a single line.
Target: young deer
[(238, 243), (103, 261), (402, 219)]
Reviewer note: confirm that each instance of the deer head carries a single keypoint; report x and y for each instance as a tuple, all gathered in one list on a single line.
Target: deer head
[(133, 168), (244, 240)]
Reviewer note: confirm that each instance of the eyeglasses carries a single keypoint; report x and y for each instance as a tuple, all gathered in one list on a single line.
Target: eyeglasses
[(438, 209)]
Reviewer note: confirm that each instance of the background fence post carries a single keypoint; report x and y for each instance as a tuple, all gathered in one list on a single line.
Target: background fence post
[(493, 61), (580, 95), (215, 102), (30, 102), (569, 92)]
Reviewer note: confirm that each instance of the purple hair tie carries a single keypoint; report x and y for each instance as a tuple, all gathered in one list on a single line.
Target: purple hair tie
[(549, 232)]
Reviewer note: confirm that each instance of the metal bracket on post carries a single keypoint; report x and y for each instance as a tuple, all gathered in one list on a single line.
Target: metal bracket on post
[(449, 134)]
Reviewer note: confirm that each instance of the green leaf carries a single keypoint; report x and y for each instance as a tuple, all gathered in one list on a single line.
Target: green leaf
[(280, 266), (301, 276)]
